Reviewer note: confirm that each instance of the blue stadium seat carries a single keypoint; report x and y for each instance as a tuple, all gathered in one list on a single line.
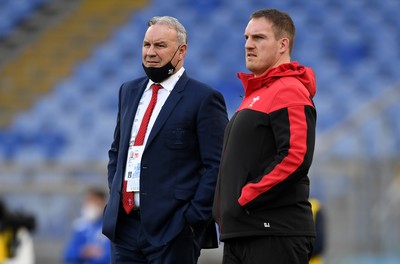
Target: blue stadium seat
[(346, 148), (12, 12), (9, 144)]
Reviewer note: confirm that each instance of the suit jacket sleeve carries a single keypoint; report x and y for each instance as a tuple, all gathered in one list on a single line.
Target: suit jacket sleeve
[(211, 121), (113, 152)]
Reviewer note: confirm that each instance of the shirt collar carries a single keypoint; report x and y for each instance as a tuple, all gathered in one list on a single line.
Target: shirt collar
[(170, 82)]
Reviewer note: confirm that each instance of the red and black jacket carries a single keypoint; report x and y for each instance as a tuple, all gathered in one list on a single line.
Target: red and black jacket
[(263, 186)]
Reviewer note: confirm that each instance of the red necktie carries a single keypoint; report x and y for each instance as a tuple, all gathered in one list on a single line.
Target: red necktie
[(128, 197)]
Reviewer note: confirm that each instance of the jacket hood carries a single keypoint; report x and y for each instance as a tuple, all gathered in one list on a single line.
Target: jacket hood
[(293, 69)]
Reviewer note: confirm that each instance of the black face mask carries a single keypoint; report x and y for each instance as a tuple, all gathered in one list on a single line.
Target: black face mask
[(160, 74)]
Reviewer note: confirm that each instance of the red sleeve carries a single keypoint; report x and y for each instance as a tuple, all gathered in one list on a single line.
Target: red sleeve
[(291, 140)]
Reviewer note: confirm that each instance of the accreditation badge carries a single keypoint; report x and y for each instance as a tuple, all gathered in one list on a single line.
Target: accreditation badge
[(132, 172)]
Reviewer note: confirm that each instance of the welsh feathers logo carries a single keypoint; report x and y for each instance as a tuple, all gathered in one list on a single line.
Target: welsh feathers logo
[(255, 99)]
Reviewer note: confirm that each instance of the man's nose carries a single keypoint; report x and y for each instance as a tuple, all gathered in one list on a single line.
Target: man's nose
[(150, 51), (248, 44)]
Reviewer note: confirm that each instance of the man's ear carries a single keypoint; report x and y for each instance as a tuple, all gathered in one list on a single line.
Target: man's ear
[(182, 51), (284, 45)]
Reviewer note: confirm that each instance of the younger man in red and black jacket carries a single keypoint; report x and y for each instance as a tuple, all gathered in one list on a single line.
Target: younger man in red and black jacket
[(261, 199)]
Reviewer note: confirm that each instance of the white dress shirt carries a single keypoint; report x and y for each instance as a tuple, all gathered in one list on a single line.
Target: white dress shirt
[(163, 94)]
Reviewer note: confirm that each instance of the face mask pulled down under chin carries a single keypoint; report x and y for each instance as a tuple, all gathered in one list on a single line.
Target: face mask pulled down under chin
[(160, 74)]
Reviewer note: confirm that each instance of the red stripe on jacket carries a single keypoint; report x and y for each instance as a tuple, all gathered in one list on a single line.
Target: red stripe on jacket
[(295, 157)]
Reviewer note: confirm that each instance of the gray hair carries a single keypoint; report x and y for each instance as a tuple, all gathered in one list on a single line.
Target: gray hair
[(171, 22)]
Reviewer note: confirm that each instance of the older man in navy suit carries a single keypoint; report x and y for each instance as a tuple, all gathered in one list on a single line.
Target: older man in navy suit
[(164, 159)]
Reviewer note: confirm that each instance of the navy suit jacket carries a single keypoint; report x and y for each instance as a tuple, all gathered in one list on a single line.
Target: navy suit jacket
[(180, 161)]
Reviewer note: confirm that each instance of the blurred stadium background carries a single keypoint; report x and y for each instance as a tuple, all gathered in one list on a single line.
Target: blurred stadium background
[(62, 62)]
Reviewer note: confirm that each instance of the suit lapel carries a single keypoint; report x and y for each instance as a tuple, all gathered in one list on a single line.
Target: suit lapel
[(168, 107)]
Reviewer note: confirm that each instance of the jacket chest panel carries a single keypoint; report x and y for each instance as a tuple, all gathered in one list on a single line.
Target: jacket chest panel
[(260, 100)]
